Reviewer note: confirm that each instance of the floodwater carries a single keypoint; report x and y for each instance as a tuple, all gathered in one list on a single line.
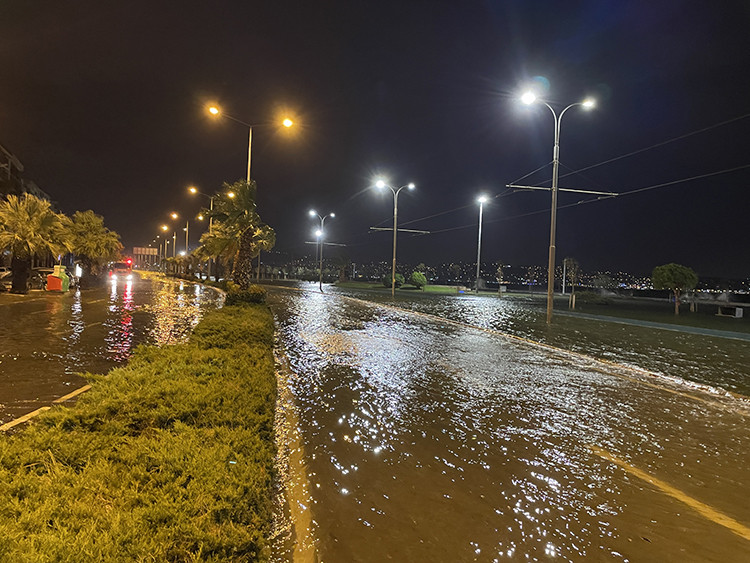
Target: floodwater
[(720, 363), (48, 339), (410, 438)]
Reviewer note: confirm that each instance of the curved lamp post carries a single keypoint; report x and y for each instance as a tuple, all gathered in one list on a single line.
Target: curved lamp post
[(481, 200), (319, 234), (215, 110), (380, 184), (529, 98)]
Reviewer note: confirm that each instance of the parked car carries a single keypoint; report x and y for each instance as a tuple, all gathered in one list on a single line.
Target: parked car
[(38, 278)]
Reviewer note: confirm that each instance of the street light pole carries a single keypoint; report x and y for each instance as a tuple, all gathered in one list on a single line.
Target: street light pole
[(380, 184), (194, 190), (319, 234), (481, 200), (530, 98), (214, 110)]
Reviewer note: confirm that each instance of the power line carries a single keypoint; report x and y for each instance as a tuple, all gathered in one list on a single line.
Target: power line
[(633, 153), (657, 145), (597, 199)]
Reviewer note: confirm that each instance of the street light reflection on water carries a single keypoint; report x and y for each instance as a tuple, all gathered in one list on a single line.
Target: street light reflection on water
[(64, 335), (423, 440)]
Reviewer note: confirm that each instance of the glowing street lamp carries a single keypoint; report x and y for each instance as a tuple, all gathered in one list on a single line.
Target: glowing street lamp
[(481, 200), (215, 110), (175, 216), (319, 234), (380, 184), (529, 98)]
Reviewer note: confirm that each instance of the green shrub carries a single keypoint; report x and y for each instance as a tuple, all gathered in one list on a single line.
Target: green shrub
[(253, 294), (418, 280), (169, 458), (387, 280)]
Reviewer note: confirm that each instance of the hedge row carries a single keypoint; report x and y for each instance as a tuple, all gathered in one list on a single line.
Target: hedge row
[(167, 459)]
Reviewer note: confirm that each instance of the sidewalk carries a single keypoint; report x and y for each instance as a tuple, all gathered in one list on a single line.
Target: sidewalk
[(664, 326)]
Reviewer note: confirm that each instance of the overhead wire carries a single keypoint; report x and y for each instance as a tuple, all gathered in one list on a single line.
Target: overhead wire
[(579, 171)]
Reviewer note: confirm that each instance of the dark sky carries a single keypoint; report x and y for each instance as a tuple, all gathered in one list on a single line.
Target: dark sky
[(104, 103)]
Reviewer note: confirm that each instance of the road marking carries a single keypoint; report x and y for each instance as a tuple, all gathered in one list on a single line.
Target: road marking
[(72, 394), (703, 509), (22, 419), (40, 410)]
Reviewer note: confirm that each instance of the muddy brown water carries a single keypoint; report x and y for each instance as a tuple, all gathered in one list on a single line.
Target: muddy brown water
[(417, 439)]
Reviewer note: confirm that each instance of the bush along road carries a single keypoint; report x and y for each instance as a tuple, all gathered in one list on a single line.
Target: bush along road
[(167, 459)]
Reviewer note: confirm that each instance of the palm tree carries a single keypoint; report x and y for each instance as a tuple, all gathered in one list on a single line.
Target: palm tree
[(29, 227), (264, 238), (218, 243), (238, 230), (93, 244)]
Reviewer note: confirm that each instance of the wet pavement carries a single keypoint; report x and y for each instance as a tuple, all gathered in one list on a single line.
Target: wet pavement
[(47, 339), (412, 438), (718, 362)]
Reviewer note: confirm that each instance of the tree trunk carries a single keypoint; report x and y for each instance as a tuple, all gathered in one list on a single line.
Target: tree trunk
[(676, 302), (242, 273), (20, 270)]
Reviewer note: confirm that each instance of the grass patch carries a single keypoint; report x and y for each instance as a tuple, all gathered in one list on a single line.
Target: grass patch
[(167, 459)]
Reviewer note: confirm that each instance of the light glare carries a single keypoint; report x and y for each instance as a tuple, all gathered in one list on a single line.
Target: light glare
[(313, 213), (589, 103), (528, 98), (214, 110), (288, 122), (380, 184), (411, 185), (482, 199)]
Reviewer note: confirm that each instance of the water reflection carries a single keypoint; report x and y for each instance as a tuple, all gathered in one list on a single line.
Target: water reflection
[(715, 362), (428, 441), (46, 339)]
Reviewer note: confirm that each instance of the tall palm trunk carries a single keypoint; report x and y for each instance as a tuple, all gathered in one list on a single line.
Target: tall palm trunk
[(20, 269), (243, 265)]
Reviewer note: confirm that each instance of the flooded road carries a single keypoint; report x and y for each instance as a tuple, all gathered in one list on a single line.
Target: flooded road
[(427, 440), (723, 363), (47, 339)]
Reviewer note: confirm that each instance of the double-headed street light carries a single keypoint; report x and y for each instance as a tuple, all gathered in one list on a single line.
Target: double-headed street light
[(529, 98), (380, 184), (481, 200), (215, 110), (319, 235)]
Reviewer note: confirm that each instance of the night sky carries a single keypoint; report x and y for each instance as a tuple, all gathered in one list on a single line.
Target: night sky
[(105, 105)]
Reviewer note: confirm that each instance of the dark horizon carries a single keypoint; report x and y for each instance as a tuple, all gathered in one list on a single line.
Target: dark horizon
[(105, 107)]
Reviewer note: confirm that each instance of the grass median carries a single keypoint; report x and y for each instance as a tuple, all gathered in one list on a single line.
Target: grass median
[(167, 459)]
